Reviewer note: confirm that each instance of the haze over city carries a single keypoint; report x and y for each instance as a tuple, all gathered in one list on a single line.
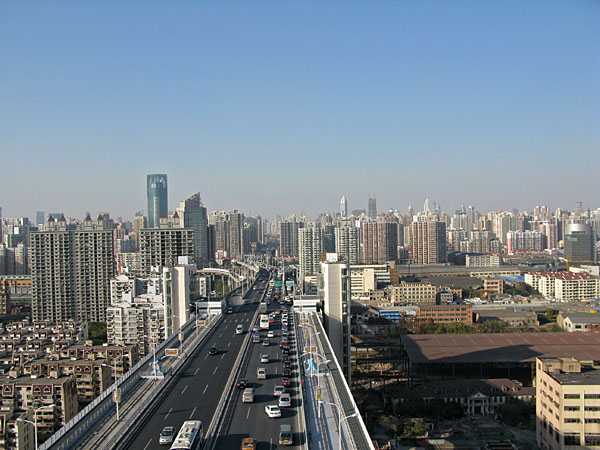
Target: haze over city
[(285, 107)]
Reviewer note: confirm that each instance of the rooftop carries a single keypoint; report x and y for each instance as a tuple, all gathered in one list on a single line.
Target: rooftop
[(500, 347)]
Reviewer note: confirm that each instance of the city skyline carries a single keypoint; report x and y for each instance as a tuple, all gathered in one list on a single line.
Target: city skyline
[(274, 108)]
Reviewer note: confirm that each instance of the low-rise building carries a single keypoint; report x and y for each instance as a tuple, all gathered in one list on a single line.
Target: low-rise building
[(483, 260), (566, 286), (446, 313), (413, 293), (513, 318), (580, 322)]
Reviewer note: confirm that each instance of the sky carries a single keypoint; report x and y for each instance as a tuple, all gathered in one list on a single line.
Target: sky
[(284, 106)]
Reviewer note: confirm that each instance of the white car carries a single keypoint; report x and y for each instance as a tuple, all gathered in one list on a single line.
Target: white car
[(285, 400), (278, 391), (270, 334), (264, 358), (273, 411)]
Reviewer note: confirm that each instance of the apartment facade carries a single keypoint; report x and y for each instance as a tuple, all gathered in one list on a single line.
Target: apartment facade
[(567, 404)]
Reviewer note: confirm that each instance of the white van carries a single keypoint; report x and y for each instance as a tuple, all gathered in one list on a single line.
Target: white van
[(239, 329), (248, 395), (261, 373)]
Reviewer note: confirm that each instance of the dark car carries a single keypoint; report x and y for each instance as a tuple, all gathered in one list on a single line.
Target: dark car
[(285, 382), (287, 364), (286, 373), (242, 384), (213, 350), (285, 358), (285, 350)]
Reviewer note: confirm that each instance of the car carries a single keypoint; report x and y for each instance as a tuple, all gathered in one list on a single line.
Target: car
[(261, 373), (270, 334), (285, 350), (242, 383), (285, 435), (287, 364), (239, 329), (273, 411), (256, 338), (248, 444), (285, 358), (285, 382), (264, 358), (266, 342), (213, 350), (285, 400), (167, 435), (278, 390), (286, 373), (271, 320)]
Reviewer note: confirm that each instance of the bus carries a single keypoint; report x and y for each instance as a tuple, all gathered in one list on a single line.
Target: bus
[(264, 322), (189, 436)]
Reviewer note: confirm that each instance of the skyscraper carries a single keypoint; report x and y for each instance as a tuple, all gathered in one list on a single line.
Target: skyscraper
[(428, 240), (310, 246), (71, 271), (164, 245), (236, 234), (157, 198), (288, 235), (343, 207), (579, 242), (39, 218), (347, 243), (194, 217), (379, 242), (372, 207)]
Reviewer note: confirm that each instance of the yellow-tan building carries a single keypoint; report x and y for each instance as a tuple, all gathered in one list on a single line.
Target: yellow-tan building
[(567, 404)]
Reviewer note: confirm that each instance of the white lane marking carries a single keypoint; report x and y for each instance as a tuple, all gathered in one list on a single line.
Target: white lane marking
[(248, 414), (223, 356), (184, 389), (206, 356), (168, 413), (196, 372), (215, 370), (228, 345), (193, 411), (221, 335), (205, 388), (147, 444)]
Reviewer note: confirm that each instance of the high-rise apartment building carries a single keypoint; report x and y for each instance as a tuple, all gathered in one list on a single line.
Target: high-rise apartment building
[(94, 264), (347, 243), (288, 232), (310, 247), (39, 218), (336, 293), (158, 203), (236, 234), (164, 245), (194, 217), (343, 207), (372, 207), (428, 240), (579, 242), (71, 271), (379, 242)]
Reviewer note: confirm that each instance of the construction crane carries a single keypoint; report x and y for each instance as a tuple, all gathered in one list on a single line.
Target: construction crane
[(569, 261)]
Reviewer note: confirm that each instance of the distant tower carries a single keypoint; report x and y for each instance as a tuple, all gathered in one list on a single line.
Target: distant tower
[(157, 198), (372, 207), (426, 209), (344, 207)]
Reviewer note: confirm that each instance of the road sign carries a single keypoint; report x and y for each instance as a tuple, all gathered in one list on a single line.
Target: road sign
[(289, 283), (310, 349), (171, 351), (278, 283), (117, 395), (319, 397)]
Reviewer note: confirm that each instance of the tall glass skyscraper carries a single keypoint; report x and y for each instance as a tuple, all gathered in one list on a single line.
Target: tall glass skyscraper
[(157, 198)]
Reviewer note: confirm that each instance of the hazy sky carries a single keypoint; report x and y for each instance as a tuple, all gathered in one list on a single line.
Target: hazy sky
[(283, 106)]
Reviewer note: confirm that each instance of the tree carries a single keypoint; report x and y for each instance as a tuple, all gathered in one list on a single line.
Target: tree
[(414, 428), (391, 424), (516, 412), (97, 332)]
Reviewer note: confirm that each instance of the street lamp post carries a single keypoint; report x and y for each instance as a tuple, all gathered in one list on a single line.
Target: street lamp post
[(34, 423), (153, 358), (340, 427)]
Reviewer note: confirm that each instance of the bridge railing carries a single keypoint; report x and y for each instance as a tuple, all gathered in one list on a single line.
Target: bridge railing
[(74, 428)]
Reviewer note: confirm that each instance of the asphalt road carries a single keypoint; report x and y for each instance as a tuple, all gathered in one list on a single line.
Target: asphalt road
[(250, 419), (196, 394)]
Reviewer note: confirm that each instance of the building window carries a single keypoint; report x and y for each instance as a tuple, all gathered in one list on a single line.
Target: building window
[(572, 439), (571, 420), (572, 396), (592, 420), (592, 439), (591, 396), (572, 408)]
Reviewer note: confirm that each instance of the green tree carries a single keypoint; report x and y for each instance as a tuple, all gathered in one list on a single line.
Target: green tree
[(414, 428), (391, 424), (516, 412), (97, 332)]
